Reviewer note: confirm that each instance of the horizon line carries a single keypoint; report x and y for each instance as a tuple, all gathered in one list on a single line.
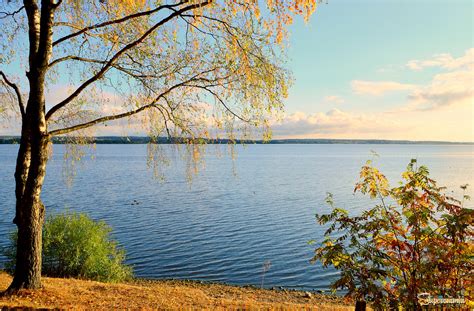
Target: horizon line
[(6, 139)]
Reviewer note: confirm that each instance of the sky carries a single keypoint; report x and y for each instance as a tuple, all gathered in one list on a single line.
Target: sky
[(371, 69), (374, 69)]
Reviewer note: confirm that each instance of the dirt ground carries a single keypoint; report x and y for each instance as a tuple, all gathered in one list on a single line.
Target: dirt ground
[(72, 294)]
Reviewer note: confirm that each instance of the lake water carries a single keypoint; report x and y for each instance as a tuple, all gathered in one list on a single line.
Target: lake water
[(235, 214)]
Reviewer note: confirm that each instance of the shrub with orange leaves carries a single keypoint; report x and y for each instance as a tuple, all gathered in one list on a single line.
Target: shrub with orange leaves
[(415, 240)]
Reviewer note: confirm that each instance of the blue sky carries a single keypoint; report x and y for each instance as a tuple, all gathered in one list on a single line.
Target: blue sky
[(369, 40), (373, 69)]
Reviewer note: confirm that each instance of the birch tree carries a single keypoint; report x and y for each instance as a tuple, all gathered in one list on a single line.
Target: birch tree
[(191, 69)]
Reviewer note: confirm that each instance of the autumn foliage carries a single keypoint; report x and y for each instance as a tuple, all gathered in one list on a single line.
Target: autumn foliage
[(415, 240), (191, 68), (187, 69)]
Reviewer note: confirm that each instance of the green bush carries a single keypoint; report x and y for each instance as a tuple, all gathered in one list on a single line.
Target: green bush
[(74, 245)]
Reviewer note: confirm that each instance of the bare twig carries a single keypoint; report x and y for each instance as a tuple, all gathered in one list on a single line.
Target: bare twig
[(17, 92), (11, 14)]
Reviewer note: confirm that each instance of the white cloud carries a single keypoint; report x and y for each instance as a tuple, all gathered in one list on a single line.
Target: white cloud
[(334, 123), (446, 89), (378, 88), (454, 85), (446, 61), (442, 125)]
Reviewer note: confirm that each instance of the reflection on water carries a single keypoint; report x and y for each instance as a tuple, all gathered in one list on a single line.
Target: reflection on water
[(233, 217)]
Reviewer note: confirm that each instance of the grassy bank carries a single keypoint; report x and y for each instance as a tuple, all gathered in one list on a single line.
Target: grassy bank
[(166, 294)]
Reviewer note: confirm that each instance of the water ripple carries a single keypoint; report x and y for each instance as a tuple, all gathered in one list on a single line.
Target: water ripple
[(222, 226)]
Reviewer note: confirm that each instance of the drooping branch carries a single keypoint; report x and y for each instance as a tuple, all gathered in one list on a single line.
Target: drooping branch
[(221, 101), (165, 119), (119, 21), (17, 92), (125, 114), (117, 55)]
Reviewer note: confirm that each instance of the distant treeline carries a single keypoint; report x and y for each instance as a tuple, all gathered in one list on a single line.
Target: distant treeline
[(178, 140)]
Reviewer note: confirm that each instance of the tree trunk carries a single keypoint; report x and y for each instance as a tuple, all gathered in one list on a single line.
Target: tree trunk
[(360, 305), (33, 152), (30, 213)]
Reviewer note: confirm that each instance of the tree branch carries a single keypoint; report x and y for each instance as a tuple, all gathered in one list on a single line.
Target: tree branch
[(118, 21), (12, 14), (73, 57), (121, 115), (99, 120), (128, 71), (119, 53), (17, 92), (57, 4)]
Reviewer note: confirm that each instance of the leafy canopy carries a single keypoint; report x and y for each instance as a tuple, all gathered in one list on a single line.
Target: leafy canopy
[(189, 68)]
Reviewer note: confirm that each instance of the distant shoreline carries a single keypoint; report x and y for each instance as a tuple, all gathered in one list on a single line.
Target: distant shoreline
[(177, 140)]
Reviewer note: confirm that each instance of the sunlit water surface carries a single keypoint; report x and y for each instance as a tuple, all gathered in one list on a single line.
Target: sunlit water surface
[(234, 215)]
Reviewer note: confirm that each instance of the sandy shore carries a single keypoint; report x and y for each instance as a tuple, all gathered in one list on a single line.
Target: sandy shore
[(163, 294)]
